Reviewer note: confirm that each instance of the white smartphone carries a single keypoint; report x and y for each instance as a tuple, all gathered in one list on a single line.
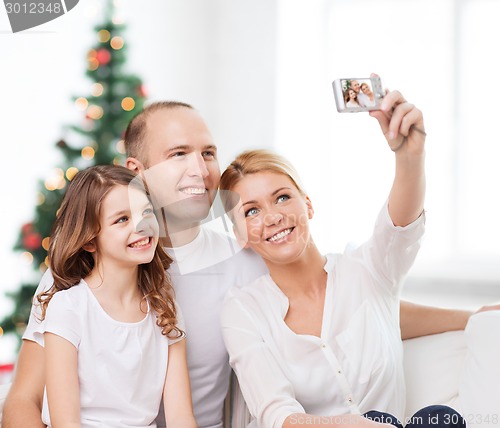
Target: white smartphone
[(354, 95)]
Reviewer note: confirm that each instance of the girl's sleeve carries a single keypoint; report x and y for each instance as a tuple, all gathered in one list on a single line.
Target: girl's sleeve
[(62, 318), (267, 391), (35, 321)]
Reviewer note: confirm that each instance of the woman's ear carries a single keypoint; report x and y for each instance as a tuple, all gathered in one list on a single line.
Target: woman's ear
[(90, 247), (310, 209), (134, 165)]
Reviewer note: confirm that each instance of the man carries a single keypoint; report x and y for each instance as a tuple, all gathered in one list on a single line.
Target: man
[(172, 147)]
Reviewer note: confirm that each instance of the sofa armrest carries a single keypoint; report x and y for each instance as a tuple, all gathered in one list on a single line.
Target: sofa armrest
[(432, 366)]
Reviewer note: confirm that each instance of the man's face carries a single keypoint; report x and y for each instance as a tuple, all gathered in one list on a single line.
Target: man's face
[(355, 85), (182, 168)]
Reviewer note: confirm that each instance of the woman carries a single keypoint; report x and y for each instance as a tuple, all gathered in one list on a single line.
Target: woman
[(365, 88), (316, 342)]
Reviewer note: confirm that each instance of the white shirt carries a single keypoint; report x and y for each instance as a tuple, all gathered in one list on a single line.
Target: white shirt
[(121, 366), (363, 100), (356, 365), (200, 294)]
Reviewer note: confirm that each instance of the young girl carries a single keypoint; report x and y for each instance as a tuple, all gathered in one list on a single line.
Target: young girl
[(113, 343), (316, 342)]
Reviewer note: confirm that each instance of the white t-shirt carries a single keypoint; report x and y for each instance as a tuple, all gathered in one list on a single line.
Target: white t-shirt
[(121, 366), (357, 363), (200, 293)]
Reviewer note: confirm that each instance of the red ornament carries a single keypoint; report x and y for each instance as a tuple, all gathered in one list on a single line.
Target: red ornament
[(103, 56), (32, 241), (141, 91)]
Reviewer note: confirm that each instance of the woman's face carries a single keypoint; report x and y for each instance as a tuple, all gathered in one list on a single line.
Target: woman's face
[(366, 89), (352, 94), (274, 215)]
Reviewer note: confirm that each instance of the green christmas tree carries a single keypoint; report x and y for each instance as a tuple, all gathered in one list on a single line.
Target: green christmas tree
[(115, 97)]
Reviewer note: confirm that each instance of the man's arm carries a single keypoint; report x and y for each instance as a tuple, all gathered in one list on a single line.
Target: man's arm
[(23, 406)]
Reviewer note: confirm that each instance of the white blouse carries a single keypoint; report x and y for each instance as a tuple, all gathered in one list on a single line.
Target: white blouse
[(356, 365)]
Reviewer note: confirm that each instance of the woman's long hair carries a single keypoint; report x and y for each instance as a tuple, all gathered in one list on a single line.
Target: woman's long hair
[(77, 224)]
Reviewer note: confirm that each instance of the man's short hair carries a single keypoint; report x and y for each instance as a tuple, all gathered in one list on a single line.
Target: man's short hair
[(135, 135)]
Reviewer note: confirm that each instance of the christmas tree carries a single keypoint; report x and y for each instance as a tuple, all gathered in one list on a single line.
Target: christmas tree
[(115, 97)]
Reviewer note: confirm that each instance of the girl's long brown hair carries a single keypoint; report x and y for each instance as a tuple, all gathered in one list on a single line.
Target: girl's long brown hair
[(77, 224)]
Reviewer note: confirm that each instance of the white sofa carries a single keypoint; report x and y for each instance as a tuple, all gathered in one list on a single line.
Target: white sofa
[(460, 369)]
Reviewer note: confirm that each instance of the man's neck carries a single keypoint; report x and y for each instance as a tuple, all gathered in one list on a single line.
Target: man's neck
[(180, 238)]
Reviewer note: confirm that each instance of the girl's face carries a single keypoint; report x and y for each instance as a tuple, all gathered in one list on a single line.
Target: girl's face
[(129, 230), (352, 94), (274, 215)]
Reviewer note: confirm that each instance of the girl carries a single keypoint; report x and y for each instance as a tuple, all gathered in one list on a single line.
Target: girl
[(317, 341), (112, 341), (351, 98)]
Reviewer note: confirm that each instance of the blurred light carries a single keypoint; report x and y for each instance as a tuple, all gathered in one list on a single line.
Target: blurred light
[(120, 147), (88, 153), (43, 267), (27, 257), (56, 180), (1, 331), (97, 89), (46, 261), (93, 64), (117, 161), (40, 198), (71, 172), (92, 58), (128, 104), (81, 103), (104, 36), (95, 112), (117, 42), (45, 243)]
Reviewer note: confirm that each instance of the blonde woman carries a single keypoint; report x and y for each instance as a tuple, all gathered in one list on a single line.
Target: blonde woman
[(316, 342)]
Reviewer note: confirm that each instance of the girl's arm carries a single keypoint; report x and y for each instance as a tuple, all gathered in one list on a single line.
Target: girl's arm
[(63, 392), (177, 391), (403, 127)]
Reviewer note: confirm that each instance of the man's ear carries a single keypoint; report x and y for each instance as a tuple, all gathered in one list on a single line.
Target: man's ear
[(134, 165), (90, 247), (310, 209)]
